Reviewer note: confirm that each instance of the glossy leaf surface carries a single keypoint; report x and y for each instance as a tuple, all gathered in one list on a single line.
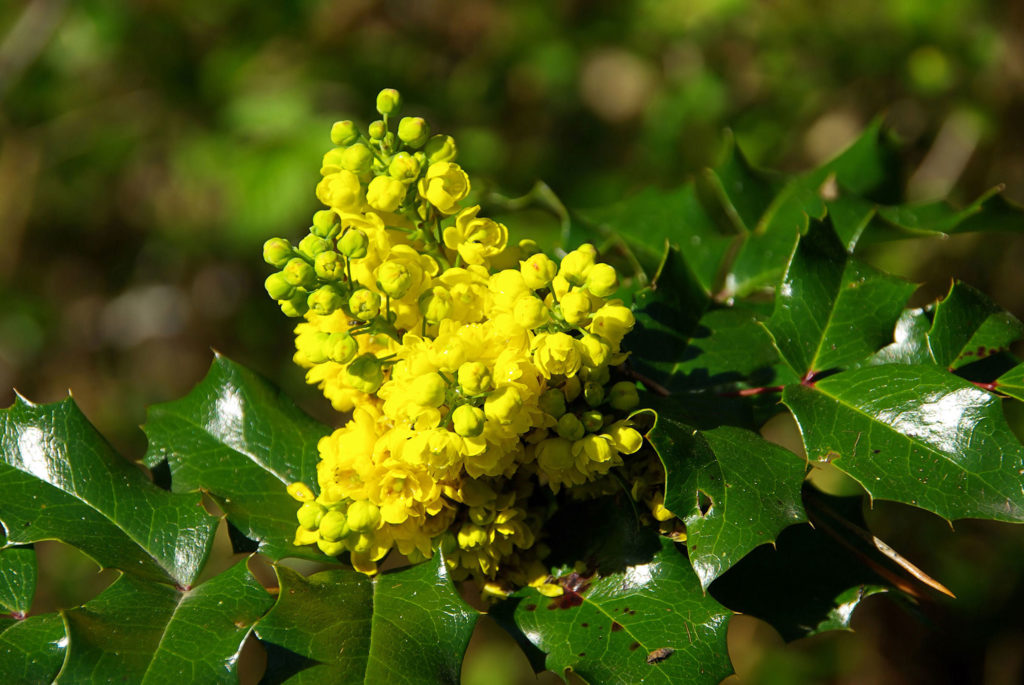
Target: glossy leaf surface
[(32, 650), (650, 623), (142, 632), (17, 579), (408, 626), (73, 487), (967, 326), (918, 435), (235, 436)]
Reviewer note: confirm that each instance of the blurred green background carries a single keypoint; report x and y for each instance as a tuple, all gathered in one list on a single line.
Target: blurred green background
[(148, 148)]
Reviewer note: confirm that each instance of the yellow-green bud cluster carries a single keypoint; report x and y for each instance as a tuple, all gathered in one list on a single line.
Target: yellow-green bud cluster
[(472, 387)]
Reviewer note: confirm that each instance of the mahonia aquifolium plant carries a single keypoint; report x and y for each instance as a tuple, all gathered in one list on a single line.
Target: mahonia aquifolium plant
[(482, 378)]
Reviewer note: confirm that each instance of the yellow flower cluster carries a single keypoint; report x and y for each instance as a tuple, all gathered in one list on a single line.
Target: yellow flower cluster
[(472, 387)]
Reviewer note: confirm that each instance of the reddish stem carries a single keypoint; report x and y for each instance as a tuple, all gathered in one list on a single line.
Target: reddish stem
[(749, 392)]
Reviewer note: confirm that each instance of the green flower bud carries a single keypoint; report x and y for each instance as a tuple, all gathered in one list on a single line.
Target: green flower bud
[(468, 421), (570, 427), (377, 130), (344, 133), (277, 252), (364, 304), (362, 543), (429, 390), (623, 396), (331, 549), (313, 346), (295, 307), (592, 420), (364, 373), (333, 526), (440, 149), (310, 514), (593, 393), (435, 304), (388, 101), (278, 287), (552, 401), (404, 167), (482, 516), (413, 131), (475, 378), (340, 347), (363, 517), (313, 245), (554, 454), (329, 266), (299, 273), (385, 193), (353, 243), (325, 300), (602, 281), (325, 223), (394, 278), (576, 265), (357, 159), (599, 375)]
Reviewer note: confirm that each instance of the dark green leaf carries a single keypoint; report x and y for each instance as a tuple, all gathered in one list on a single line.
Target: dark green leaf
[(910, 340), (32, 649), (652, 218), (1011, 383), (967, 326), (143, 632), (408, 626), (850, 217), (17, 579), (650, 623), (832, 311), (990, 212), (72, 487), (732, 488), (238, 438), (915, 434)]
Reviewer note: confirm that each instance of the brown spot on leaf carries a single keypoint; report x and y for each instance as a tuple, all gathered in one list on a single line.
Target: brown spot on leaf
[(635, 646), (659, 655), (616, 626), (531, 607)]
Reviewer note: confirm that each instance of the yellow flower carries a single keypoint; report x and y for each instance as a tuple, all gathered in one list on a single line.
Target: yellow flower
[(444, 186), (341, 191), (385, 193), (475, 238), (556, 354)]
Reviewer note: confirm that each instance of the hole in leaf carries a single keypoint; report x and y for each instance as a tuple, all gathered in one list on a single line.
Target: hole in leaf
[(66, 577), (704, 502)]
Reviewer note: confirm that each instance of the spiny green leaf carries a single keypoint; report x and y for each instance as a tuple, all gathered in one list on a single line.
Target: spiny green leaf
[(650, 623), (71, 486), (832, 311), (915, 434), (17, 578), (967, 326), (236, 437), (990, 212), (732, 488), (652, 218), (910, 340), (143, 632), (32, 649), (407, 626)]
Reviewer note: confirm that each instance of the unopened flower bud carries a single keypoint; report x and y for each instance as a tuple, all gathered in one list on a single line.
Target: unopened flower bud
[(296, 306), (278, 286), (277, 252), (364, 373), (599, 375), (340, 347), (554, 454), (475, 378), (357, 158), (313, 245), (325, 223), (363, 516), (530, 312), (593, 393), (572, 388), (626, 438), (552, 402), (377, 130), (503, 404), (394, 278), (570, 427), (404, 167), (329, 266), (310, 515), (331, 549), (623, 396), (602, 281), (468, 421), (576, 265), (575, 307), (388, 101), (364, 304), (385, 193), (435, 304), (592, 420), (538, 270), (595, 351), (429, 390), (344, 133), (413, 131), (299, 273), (312, 345), (325, 300), (334, 526), (440, 148), (353, 243)]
